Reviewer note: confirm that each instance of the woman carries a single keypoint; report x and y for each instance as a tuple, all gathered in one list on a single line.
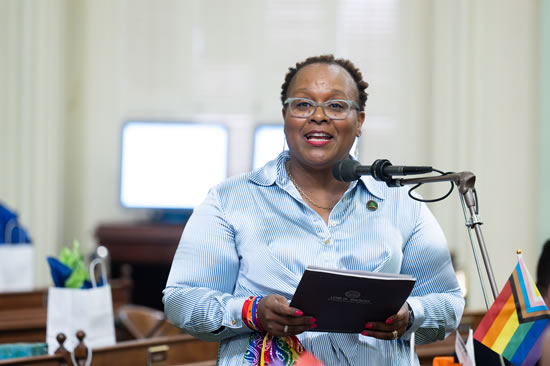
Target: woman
[(244, 249)]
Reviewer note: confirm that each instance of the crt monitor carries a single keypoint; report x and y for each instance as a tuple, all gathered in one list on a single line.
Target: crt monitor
[(171, 165)]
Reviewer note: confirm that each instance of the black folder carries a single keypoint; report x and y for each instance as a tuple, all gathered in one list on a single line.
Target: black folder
[(343, 301)]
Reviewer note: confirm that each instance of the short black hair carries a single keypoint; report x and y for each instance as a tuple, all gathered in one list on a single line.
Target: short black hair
[(329, 59), (543, 269)]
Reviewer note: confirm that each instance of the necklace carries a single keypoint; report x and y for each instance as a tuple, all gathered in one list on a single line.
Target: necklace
[(287, 166)]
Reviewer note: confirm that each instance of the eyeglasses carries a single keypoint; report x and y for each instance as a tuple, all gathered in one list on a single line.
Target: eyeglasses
[(333, 109)]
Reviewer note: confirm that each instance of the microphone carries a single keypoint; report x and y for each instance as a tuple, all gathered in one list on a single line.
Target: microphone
[(348, 170)]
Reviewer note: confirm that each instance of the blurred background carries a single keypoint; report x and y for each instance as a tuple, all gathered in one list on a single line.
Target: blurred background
[(458, 85)]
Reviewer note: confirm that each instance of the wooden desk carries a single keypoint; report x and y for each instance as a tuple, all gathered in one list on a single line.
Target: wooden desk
[(149, 249), (206, 351), (182, 350), (140, 243)]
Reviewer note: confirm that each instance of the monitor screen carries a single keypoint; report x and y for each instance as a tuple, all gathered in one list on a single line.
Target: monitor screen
[(269, 140), (171, 165)]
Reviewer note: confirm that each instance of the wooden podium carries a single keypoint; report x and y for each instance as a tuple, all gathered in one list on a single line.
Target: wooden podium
[(148, 248)]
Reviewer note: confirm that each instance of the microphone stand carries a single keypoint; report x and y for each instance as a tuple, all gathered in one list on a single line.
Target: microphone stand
[(465, 182)]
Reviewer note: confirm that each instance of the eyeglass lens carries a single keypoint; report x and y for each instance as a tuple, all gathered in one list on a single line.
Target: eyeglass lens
[(335, 109)]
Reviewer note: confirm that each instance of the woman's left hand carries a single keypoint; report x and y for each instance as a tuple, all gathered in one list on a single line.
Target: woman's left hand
[(394, 327)]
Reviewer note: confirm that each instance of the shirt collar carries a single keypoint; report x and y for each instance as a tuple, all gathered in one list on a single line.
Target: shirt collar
[(275, 171), (272, 171), (373, 186)]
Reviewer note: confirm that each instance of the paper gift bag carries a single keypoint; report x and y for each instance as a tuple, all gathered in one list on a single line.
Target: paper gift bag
[(16, 267), (90, 310), (16, 260)]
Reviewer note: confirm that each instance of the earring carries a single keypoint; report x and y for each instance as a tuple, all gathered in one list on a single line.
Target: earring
[(356, 150)]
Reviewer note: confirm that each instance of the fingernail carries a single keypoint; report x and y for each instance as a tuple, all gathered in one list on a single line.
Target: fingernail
[(368, 325), (365, 333), (299, 313), (313, 326), (312, 320), (389, 321)]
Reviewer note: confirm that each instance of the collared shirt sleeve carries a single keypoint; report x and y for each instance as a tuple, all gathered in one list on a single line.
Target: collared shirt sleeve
[(436, 299), (198, 295)]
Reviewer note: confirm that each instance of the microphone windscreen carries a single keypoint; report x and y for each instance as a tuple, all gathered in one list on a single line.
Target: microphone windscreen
[(346, 170)]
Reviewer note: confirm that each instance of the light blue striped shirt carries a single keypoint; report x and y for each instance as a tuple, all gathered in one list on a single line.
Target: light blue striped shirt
[(255, 235)]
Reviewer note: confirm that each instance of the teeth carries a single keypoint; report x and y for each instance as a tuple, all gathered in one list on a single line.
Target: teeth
[(318, 135)]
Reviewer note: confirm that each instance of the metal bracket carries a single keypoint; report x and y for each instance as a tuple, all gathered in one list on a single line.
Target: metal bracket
[(474, 220)]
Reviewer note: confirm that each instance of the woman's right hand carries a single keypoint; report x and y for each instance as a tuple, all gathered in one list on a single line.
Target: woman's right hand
[(277, 318)]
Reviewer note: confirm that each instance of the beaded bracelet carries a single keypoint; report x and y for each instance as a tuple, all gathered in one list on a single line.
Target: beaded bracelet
[(250, 313)]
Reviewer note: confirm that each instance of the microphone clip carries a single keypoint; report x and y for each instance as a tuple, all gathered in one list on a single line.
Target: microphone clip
[(377, 172)]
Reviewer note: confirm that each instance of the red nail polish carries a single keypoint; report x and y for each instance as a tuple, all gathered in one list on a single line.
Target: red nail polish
[(389, 321), (299, 313), (368, 325), (365, 333), (312, 320), (313, 326)]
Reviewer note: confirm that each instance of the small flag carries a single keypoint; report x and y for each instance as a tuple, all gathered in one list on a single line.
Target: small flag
[(515, 323), (465, 351)]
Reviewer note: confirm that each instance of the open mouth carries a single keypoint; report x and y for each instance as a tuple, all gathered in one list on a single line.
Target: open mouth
[(318, 136)]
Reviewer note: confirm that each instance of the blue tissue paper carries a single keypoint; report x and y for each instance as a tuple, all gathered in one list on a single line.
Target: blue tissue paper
[(10, 229), (60, 271)]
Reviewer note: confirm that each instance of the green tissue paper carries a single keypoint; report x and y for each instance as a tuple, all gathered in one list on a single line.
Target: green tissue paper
[(74, 260)]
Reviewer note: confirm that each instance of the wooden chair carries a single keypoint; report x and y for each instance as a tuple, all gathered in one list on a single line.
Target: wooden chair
[(145, 322)]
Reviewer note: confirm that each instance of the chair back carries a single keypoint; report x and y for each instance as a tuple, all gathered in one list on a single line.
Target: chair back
[(142, 321)]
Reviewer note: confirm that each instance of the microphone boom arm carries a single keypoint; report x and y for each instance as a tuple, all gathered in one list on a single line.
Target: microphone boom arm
[(465, 182)]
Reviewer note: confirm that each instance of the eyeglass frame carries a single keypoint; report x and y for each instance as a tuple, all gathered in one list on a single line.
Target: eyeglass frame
[(350, 104)]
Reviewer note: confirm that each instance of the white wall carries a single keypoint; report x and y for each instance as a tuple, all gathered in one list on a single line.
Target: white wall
[(543, 193), (33, 104), (452, 84), (484, 118)]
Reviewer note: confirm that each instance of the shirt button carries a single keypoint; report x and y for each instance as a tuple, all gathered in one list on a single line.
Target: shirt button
[(327, 241), (333, 224), (233, 322)]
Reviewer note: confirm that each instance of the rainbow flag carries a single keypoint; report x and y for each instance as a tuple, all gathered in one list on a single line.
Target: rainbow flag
[(515, 323)]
